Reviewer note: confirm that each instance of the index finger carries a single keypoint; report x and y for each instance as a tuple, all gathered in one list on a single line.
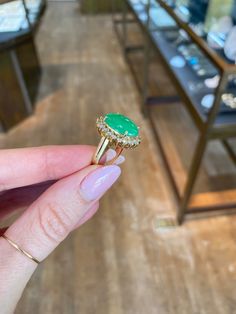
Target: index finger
[(26, 166)]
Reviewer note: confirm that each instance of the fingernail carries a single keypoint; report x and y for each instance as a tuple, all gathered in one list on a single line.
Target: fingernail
[(111, 153), (98, 182), (119, 160)]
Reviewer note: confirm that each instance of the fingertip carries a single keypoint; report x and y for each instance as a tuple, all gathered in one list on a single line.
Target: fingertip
[(97, 182), (120, 160)]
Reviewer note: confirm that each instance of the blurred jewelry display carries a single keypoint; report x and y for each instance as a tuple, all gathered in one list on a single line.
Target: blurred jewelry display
[(232, 80), (182, 38), (207, 101), (161, 18), (229, 100), (170, 3), (172, 35), (177, 62), (198, 29), (183, 12), (195, 87), (230, 45), (197, 61), (218, 32), (212, 82)]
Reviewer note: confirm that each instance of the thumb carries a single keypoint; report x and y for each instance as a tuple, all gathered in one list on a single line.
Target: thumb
[(58, 210), (65, 205)]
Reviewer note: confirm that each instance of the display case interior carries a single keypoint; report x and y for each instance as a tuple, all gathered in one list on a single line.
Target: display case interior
[(195, 41), (197, 74)]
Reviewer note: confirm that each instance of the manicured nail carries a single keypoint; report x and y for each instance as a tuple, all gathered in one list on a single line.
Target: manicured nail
[(110, 154), (98, 182), (119, 160)]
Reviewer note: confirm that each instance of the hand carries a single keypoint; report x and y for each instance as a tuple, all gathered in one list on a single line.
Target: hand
[(64, 191)]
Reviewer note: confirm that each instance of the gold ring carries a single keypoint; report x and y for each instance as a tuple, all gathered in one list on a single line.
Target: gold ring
[(16, 246), (117, 131)]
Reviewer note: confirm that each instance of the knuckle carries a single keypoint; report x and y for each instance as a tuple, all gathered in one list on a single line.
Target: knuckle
[(54, 222)]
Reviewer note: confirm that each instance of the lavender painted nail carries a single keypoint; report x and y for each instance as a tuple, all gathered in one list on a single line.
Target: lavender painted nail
[(98, 182), (120, 160), (110, 154)]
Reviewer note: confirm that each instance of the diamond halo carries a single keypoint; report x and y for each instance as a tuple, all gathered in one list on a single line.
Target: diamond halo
[(114, 137)]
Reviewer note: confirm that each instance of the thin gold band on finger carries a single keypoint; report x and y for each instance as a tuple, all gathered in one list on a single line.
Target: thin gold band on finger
[(16, 246), (117, 131)]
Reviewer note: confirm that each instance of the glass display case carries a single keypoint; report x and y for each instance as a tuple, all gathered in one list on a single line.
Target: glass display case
[(196, 42), (19, 63), (18, 19)]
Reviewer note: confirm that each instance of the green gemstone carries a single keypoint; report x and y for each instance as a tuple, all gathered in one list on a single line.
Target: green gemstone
[(121, 124)]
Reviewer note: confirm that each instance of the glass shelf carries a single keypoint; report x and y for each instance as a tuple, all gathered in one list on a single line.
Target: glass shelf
[(169, 39)]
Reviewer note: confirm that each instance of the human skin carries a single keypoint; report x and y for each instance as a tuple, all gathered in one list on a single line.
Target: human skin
[(60, 190)]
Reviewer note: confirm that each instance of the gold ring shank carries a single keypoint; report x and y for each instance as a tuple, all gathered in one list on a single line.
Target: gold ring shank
[(101, 150), (16, 246)]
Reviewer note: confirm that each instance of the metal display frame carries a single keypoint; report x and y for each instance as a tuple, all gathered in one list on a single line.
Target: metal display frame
[(210, 127)]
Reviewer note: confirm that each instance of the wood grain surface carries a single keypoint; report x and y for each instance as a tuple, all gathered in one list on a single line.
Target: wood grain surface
[(119, 262)]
